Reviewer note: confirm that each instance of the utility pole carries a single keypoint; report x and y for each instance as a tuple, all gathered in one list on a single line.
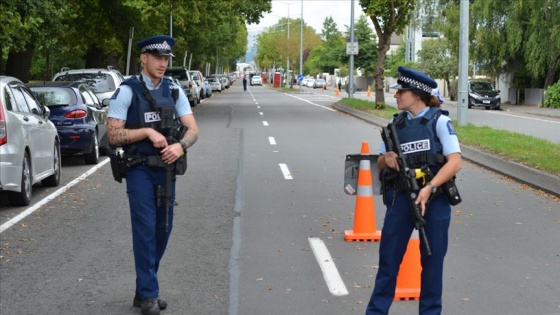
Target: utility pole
[(301, 45), (351, 76), (463, 84)]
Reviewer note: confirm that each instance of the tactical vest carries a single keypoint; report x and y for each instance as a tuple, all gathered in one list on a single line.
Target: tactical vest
[(419, 141), (142, 115)]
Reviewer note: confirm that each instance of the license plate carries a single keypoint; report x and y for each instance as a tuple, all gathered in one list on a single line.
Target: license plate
[(486, 102)]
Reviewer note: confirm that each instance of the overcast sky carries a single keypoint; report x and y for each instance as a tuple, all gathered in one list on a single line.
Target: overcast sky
[(314, 14)]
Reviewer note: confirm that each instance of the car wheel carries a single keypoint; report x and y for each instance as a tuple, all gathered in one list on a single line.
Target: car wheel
[(93, 156), (54, 179), (23, 197), (487, 107)]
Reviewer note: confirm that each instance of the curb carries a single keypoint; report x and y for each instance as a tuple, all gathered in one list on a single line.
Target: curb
[(521, 173)]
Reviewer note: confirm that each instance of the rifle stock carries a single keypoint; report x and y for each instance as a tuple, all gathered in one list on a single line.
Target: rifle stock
[(389, 135)]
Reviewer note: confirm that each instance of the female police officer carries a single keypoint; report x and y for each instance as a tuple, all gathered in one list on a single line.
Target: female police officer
[(419, 122), (135, 122)]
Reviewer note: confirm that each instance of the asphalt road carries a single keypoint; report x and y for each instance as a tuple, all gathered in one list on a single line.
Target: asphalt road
[(264, 178)]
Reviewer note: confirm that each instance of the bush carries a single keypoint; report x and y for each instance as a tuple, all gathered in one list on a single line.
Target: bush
[(552, 98)]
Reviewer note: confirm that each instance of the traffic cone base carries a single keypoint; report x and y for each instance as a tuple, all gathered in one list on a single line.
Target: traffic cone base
[(364, 215), (408, 280)]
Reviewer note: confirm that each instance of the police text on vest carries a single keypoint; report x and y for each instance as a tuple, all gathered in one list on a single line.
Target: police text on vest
[(415, 146), (151, 117)]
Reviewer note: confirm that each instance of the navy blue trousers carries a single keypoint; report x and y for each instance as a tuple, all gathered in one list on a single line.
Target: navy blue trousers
[(397, 229), (149, 238)]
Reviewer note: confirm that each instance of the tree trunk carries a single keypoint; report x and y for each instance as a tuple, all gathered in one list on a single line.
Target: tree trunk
[(94, 57), (19, 64), (378, 74), (552, 67)]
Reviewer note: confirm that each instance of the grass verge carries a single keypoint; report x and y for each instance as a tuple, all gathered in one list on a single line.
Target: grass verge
[(534, 152)]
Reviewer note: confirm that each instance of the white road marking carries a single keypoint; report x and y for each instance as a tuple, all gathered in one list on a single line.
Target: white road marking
[(261, 113), (301, 99), (50, 197), (258, 106), (524, 117), (330, 273), (285, 171), (271, 140), (265, 123)]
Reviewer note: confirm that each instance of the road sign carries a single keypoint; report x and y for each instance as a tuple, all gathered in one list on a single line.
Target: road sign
[(352, 47), (299, 77)]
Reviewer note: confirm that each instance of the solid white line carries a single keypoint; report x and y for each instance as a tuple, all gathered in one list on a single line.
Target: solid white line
[(285, 171), (271, 140), (524, 117), (265, 123), (330, 273), (301, 99), (50, 197)]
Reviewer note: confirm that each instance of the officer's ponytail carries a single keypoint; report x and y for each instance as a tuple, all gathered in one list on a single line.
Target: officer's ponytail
[(428, 99)]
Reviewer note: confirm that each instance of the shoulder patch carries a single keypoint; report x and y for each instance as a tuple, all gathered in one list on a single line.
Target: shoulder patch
[(450, 128), (115, 94)]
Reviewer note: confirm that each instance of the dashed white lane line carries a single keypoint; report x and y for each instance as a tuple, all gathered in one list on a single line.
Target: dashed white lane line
[(285, 171), (265, 123), (330, 273), (272, 140), (261, 113), (301, 99), (50, 197)]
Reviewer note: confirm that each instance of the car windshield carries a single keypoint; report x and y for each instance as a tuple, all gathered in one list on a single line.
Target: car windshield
[(481, 86), (54, 96), (98, 82), (320, 81), (177, 74)]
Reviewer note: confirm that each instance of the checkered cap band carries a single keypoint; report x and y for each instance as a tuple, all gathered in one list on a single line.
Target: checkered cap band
[(157, 46), (422, 86)]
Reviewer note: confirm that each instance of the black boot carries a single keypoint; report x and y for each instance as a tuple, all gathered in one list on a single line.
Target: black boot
[(150, 307), (138, 302)]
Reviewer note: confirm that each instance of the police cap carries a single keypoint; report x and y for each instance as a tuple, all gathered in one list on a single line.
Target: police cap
[(410, 79), (156, 45)]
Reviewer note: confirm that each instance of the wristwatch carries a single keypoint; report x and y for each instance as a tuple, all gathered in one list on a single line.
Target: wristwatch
[(433, 188), (184, 145)]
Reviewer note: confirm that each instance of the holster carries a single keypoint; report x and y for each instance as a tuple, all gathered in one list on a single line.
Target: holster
[(450, 190), (118, 164)]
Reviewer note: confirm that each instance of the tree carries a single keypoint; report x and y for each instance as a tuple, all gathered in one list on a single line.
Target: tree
[(388, 17), (436, 60), (331, 53)]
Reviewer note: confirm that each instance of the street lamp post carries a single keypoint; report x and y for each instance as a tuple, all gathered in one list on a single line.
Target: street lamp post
[(301, 45)]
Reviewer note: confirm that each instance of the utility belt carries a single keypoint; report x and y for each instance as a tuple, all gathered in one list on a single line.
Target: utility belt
[(121, 161), (392, 179)]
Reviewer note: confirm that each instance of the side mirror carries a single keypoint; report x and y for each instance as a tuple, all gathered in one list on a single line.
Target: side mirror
[(46, 112), (105, 102)]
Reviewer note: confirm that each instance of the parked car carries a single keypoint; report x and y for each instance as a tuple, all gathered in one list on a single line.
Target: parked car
[(319, 84), (256, 80), (78, 116), (29, 143), (482, 93), (103, 82), (187, 83), (310, 82), (215, 84), (199, 80)]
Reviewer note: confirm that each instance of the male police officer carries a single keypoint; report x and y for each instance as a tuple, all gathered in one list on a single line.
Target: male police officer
[(135, 123)]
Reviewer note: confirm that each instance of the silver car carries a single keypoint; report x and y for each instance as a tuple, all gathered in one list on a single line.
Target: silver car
[(29, 143)]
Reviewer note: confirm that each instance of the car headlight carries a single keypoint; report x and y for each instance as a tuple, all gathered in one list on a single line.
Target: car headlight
[(476, 96)]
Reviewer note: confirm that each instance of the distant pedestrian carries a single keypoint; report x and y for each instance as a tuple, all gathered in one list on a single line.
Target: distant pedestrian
[(244, 82)]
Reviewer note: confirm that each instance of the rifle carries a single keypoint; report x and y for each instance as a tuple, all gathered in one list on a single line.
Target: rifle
[(173, 134), (389, 135)]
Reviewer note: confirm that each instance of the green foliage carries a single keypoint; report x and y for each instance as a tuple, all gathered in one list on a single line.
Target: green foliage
[(95, 33), (331, 53), (552, 99), (367, 56)]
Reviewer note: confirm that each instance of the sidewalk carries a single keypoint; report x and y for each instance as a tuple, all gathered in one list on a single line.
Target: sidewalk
[(537, 179)]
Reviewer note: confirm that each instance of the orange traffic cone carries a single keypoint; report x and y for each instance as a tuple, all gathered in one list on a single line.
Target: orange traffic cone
[(336, 92), (408, 280), (364, 215), (368, 92)]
